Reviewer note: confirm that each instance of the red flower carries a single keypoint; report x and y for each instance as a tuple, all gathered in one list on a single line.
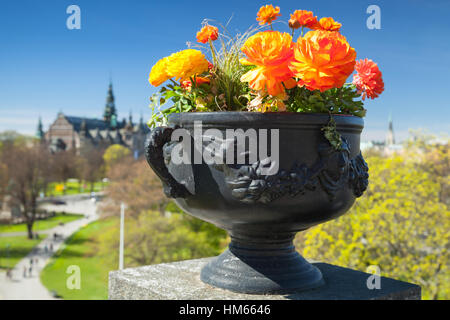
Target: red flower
[(368, 79), (207, 33), (302, 18), (187, 84)]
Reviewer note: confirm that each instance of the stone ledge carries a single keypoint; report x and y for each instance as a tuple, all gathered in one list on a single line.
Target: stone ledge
[(181, 281)]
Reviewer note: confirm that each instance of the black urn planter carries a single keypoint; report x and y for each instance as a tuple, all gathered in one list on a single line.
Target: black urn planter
[(314, 183)]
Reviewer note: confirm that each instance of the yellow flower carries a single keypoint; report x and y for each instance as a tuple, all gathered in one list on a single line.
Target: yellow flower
[(158, 74), (181, 65), (185, 64)]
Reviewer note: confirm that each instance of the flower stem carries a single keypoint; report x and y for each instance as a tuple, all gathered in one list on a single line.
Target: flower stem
[(213, 52)]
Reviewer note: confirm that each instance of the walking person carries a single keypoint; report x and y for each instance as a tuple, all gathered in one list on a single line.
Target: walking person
[(30, 271), (24, 271)]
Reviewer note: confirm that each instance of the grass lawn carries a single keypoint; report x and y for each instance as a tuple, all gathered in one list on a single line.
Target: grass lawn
[(40, 225), (13, 249), (73, 187), (82, 250)]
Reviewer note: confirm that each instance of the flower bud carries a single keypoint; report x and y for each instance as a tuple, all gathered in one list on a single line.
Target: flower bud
[(294, 24)]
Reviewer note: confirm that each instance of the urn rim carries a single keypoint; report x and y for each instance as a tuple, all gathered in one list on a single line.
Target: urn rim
[(267, 119)]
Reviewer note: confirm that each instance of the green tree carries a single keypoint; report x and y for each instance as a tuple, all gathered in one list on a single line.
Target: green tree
[(135, 184), (152, 238), (3, 178), (26, 176), (65, 165), (156, 229), (113, 154), (91, 164), (400, 224)]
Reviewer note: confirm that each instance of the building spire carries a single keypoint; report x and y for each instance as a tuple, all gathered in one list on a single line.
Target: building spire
[(110, 107), (40, 131), (390, 140), (141, 122), (130, 118)]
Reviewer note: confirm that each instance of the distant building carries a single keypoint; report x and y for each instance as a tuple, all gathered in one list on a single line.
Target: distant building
[(390, 139), (386, 147), (70, 132)]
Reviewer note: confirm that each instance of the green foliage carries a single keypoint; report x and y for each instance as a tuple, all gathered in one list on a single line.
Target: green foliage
[(82, 249), (74, 187), (400, 224), (15, 138), (14, 249), (41, 225), (153, 238), (177, 95), (230, 93), (215, 237), (115, 153), (336, 101), (227, 93), (332, 135)]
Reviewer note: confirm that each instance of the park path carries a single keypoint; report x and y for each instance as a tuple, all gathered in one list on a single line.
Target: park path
[(30, 287), (24, 233)]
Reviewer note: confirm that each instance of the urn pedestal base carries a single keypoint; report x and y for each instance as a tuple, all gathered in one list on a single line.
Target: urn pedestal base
[(181, 281), (262, 267)]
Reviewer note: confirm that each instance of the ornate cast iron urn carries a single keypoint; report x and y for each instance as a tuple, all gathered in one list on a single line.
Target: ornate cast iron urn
[(262, 211)]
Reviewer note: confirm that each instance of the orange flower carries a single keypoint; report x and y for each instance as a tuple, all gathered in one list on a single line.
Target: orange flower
[(368, 79), (207, 33), (323, 60), (327, 24), (302, 18), (271, 52), (187, 84), (267, 14)]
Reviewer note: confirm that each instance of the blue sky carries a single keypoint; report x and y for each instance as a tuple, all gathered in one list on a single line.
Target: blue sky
[(46, 68)]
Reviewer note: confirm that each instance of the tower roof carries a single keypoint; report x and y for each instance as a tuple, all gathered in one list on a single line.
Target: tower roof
[(77, 123), (40, 131), (110, 106), (390, 139)]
